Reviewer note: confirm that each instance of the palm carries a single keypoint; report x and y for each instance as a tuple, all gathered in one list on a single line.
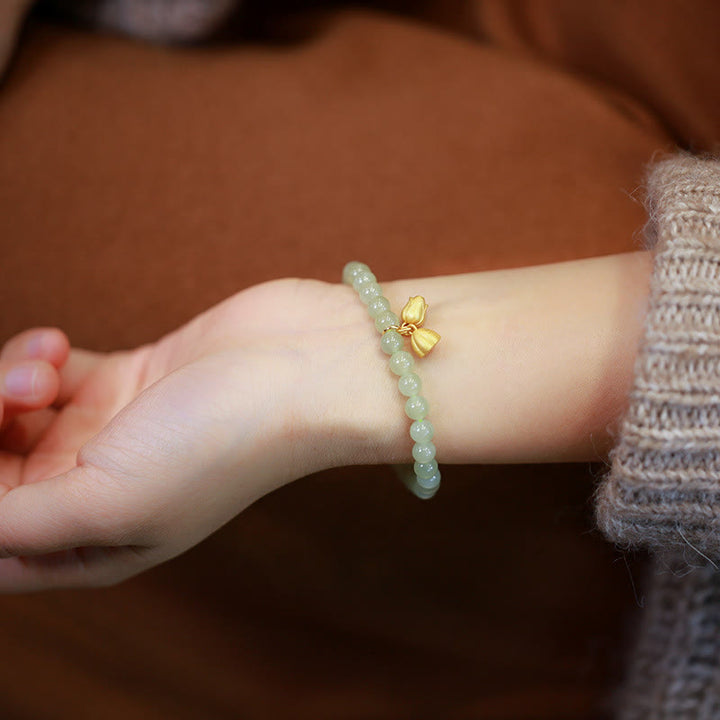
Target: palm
[(94, 387), (146, 452)]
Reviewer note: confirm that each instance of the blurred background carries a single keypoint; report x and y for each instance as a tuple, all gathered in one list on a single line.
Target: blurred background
[(149, 169)]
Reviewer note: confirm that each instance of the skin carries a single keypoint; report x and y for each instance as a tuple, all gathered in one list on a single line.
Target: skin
[(116, 462)]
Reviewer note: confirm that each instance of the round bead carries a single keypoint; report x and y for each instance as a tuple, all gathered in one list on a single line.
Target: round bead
[(364, 277), (409, 384), (378, 305), (369, 292), (423, 452), (425, 469), (385, 320), (429, 483), (401, 362), (427, 474), (352, 269), (416, 408), (422, 493), (421, 430), (391, 342)]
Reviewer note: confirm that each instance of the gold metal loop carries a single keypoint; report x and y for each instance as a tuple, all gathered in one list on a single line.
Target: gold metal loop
[(422, 340)]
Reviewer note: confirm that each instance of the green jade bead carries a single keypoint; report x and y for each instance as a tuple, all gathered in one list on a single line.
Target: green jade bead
[(416, 408), (363, 278), (422, 430), (425, 469), (422, 493), (401, 362), (352, 269), (409, 384), (364, 282), (391, 342), (430, 483), (423, 452), (369, 292), (385, 320), (378, 305)]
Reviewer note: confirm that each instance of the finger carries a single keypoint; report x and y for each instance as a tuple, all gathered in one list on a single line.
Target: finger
[(80, 364), (75, 568), (59, 533), (27, 385), (23, 432), (41, 343), (72, 509), (52, 344)]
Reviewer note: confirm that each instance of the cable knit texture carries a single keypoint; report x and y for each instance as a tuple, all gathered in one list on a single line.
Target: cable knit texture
[(662, 491)]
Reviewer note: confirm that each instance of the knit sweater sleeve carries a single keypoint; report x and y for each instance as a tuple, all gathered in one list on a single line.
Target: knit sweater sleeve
[(663, 488)]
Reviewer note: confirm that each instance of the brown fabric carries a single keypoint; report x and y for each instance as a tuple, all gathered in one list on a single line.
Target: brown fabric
[(194, 173), (12, 14), (139, 185), (663, 53)]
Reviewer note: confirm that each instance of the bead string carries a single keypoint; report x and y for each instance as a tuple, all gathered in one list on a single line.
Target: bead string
[(422, 478)]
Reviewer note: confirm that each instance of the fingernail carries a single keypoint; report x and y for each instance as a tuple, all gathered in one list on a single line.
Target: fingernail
[(20, 381), (35, 344)]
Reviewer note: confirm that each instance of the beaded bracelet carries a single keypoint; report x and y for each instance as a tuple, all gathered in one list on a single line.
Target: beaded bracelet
[(422, 478)]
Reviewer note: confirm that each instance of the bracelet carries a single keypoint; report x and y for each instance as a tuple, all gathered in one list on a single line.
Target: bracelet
[(422, 478)]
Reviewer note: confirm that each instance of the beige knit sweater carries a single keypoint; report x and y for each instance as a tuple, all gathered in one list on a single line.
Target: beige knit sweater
[(663, 489)]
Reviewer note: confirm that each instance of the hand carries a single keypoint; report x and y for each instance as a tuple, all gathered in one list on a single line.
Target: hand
[(123, 460)]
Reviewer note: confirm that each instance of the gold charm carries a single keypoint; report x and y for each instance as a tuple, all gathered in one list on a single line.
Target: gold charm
[(414, 311), (422, 340)]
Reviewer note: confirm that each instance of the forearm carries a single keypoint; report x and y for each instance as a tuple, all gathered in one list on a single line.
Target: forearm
[(535, 364), (171, 440)]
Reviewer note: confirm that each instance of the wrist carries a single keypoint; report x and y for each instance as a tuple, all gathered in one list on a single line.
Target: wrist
[(535, 365), (349, 410)]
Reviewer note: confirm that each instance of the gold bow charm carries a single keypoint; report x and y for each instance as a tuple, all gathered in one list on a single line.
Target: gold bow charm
[(422, 340)]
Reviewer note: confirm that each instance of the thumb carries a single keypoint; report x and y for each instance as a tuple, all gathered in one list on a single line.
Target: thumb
[(59, 533), (61, 512)]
